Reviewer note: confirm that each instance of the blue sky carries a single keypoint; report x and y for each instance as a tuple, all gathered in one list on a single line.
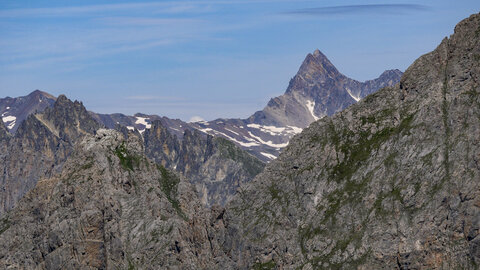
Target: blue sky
[(211, 58)]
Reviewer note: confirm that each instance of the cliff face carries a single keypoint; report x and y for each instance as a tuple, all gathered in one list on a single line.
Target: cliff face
[(391, 182), (110, 208)]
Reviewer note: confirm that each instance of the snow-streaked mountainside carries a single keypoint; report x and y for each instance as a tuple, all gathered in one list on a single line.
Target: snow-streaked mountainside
[(317, 90), (14, 110)]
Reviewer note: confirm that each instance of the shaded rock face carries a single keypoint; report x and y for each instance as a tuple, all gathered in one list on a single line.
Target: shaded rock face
[(391, 182), (40, 147), (215, 166), (316, 91), (15, 110), (110, 208), (3, 132)]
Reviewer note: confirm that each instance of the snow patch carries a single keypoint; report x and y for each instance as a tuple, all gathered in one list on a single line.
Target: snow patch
[(205, 130), (236, 133), (244, 144), (10, 121), (269, 143), (354, 97), (195, 119), (130, 128), (275, 131), (311, 106), (270, 156), (143, 121), (295, 130)]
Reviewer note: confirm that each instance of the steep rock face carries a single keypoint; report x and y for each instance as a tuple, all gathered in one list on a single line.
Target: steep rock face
[(391, 182), (214, 165), (40, 147), (15, 110), (69, 120), (3, 131), (110, 208)]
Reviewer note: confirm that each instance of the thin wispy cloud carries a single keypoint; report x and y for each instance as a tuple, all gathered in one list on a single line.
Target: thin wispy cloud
[(153, 98), (145, 21), (388, 9), (81, 10), (154, 7)]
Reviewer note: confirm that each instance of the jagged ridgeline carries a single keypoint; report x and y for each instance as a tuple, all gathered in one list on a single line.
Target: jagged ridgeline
[(391, 182), (40, 146), (43, 142)]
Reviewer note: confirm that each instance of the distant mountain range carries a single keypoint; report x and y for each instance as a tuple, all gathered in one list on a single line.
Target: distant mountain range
[(317, 90), (41, 130)]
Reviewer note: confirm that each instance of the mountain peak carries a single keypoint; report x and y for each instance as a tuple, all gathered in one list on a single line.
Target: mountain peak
[(316, 68), (391, 72), (38, 93), (319, 56), (317, 65), (71, 119), (62, 98)]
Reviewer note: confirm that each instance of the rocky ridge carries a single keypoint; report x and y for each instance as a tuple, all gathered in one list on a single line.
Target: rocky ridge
[(110, 208), (40, 146), (44, 140)]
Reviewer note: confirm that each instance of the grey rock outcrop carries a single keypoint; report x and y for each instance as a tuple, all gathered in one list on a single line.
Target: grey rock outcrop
[(110, 208), (3, 131), (392, 182)]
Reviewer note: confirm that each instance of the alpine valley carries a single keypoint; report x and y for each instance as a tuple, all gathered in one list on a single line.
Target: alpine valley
[(333, 174)]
